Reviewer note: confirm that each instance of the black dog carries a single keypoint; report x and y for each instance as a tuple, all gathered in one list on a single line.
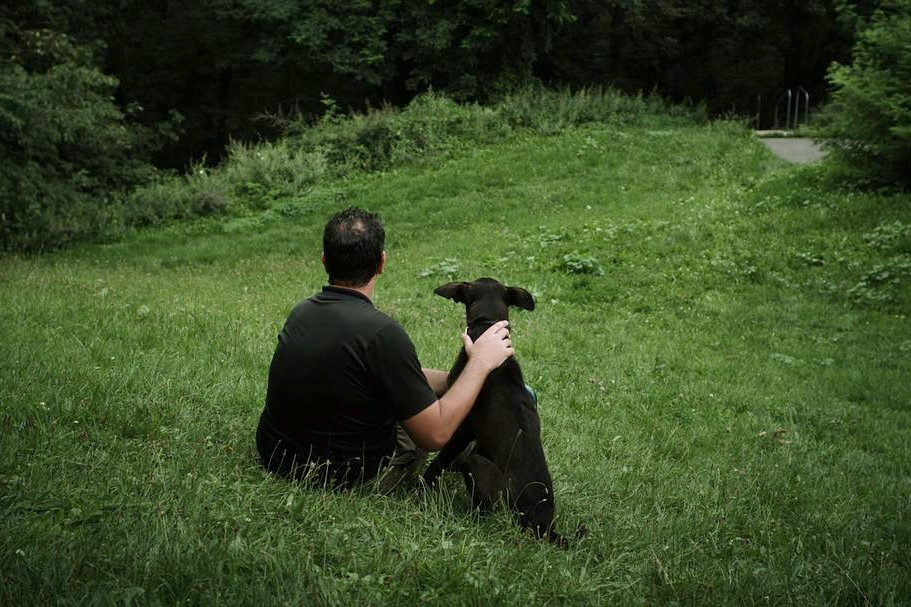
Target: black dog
[(507, 461)]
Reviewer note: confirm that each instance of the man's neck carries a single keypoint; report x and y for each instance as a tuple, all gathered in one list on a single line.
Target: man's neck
[(365, 290)]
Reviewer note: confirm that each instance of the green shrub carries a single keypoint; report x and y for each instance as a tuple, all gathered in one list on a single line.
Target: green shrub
[(574, 263), (549, 111), (431, 125), (272, 169), (67, 149), (252, 177), (361, 142), (175, 197), (434, 125), (269, 174), (869, 117)]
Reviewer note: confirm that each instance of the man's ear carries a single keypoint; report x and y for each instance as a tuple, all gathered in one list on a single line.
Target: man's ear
[(455, 291), (516, 296)]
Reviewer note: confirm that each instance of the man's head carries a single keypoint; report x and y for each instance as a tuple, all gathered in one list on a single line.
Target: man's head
[(353, 244)]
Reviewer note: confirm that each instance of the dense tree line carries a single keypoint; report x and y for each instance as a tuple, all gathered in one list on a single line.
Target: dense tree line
[(222, 63), (737, 57), (95, 95)]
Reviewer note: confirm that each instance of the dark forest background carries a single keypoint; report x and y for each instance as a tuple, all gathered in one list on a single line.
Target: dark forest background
[(210, 70), (100, 98)]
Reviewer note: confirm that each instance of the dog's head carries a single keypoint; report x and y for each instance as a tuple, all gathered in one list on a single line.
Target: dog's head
[(486, 301)]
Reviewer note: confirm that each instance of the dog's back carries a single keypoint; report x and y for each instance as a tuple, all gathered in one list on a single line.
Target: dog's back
[(508, 431), (507, 461)]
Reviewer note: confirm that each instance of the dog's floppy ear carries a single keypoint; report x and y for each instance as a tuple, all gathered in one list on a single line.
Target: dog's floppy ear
[(455, 291), (516, 296)]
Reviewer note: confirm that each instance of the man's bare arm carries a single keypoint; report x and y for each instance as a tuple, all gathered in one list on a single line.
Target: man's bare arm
[(432, 428), (437, 379)]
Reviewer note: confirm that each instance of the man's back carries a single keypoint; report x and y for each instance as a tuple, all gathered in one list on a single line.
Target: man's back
[(342, 374)]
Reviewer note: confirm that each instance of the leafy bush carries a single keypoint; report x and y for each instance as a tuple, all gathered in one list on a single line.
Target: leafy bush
[(434, 125), (260, 176), (869, 118), (272, 169), (548, 111), (66, 146), (574, 263), (430, 125), (172, 197)]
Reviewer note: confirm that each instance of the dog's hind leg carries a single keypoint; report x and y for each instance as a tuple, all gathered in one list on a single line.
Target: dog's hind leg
[(484, 481), (448, 454)]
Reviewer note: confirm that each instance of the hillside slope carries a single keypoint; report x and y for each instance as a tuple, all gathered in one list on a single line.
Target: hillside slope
[(721, 349)]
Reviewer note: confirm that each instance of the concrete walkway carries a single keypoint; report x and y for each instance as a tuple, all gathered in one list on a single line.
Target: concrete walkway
[(794, 149)]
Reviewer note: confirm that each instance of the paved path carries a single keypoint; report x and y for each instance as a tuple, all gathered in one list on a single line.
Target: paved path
[(794, 149)]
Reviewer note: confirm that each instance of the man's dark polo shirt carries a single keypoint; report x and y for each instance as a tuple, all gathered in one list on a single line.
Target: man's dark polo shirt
[(343, 373)]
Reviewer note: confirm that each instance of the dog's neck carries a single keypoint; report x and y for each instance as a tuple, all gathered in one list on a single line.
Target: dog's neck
[(477, 327)]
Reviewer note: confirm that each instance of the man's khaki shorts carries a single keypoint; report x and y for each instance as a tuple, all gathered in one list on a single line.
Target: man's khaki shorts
[(403, 467)]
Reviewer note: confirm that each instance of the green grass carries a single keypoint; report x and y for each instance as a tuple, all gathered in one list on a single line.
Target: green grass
[(721, 350)]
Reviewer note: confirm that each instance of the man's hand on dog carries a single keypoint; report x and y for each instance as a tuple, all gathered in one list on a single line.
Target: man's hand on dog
[(492, 348)]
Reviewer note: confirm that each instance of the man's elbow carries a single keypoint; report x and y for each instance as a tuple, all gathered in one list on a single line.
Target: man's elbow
[(432, 441), (428, 429)]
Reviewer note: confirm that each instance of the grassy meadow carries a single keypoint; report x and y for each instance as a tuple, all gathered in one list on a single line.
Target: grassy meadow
[(721, 349)]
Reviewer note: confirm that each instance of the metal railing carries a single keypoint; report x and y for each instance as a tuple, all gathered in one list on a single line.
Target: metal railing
[(792, 105), (792, 102)]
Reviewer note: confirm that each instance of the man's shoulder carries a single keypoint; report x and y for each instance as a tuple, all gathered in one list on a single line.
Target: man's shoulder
[(390, 335), (329, 310)]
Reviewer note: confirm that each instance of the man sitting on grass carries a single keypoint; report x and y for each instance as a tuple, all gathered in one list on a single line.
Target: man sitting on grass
[(347, 399)]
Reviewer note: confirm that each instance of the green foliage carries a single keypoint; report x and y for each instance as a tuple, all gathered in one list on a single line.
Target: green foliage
[(433, 124), (722, 54), (574, 263), (169, 197), (447, 268), (881, 285), (66, 147), (549, 111), (888, 282), (895, 236), (476, 49), (98, 147), (220, 63), (431, 127), (869, 118)]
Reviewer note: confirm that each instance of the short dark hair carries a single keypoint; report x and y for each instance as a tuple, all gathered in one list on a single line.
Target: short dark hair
[(353, 242)]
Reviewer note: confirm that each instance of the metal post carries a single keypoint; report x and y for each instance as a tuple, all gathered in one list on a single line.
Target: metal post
[(796, 111), (787, 120), (787, 97), (758, 112), (802, 92)]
